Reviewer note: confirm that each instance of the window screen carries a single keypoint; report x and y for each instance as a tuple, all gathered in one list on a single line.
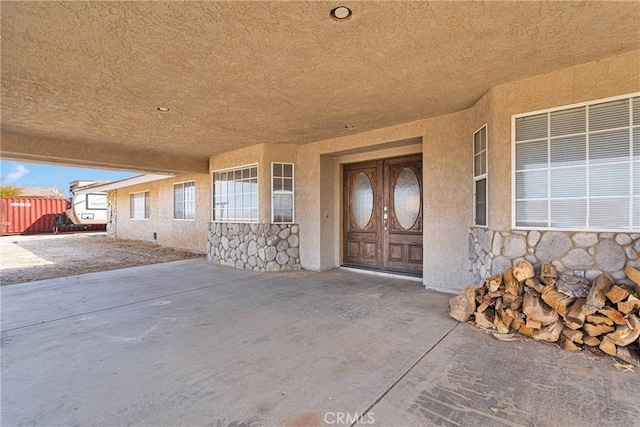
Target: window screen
[(579, 168)]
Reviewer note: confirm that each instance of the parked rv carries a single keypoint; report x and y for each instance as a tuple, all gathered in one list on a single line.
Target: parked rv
[(86, 207)]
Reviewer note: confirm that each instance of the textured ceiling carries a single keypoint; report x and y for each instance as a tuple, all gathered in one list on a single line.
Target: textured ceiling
[(239, 73)]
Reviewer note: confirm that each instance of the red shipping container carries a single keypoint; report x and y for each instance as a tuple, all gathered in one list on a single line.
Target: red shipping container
[(23, 215)]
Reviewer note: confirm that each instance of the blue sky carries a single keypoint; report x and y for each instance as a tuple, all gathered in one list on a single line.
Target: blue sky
[(43, 175)]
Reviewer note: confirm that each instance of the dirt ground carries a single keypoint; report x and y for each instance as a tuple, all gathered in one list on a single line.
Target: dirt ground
[(39, 257)]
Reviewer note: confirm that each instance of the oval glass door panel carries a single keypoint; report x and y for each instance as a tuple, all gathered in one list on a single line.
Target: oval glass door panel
[(362, 200), (406, 198)]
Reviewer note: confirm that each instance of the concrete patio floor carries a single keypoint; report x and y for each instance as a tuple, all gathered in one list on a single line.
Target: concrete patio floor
[(190, 343)]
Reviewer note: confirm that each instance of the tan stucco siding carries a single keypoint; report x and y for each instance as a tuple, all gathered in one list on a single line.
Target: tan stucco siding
[(446, 145), (447, 192), (49, 149), (609, 77), (448, 195), (447, 153), (185, 234), (262, 155), (319, 186)]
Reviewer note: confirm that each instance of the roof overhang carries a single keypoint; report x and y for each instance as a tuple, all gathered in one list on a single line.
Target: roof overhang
[(140, 179), (90, 82)]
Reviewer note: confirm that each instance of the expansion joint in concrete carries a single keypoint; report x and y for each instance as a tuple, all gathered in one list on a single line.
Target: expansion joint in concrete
[(404, 374)]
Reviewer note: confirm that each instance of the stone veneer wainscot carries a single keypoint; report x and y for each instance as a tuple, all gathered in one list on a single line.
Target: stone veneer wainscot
[(257, 247), (112, 211), (494, 251)]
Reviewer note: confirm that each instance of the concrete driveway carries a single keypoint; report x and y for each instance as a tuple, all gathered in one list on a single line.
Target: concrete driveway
[(190, 343)]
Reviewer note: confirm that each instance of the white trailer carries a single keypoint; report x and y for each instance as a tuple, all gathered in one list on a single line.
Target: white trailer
[(86, 206)]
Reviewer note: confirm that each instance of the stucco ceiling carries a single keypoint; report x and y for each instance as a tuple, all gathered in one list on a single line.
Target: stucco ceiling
[(239, 73)]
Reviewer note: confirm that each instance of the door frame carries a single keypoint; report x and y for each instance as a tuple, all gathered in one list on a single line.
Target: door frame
[(385, 193)]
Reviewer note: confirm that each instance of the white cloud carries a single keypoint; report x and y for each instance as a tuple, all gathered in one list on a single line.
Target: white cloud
[(16, 174)]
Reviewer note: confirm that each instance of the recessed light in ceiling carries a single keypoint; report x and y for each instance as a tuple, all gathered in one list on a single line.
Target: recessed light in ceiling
[(341, 13), (163, 109)]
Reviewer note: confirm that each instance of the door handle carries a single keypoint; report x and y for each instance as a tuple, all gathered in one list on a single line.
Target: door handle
[(385, 217)]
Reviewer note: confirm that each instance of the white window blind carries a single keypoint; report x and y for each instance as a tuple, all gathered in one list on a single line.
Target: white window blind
[(480, 177), (578, 168), (184, 200), (139, 204)]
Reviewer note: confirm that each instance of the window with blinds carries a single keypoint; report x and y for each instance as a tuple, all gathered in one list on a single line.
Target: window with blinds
[(282, 193), (480, 177), (139, 205), (184, 200), (578, 168)]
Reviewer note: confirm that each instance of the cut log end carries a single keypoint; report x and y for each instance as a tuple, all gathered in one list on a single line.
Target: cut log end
[(633, 274), (596, 299), (617, 294), (523, 271), (550, 333), (629, 305), (625, 335), (591, 341), (557, 300), (597, 330), (608, 347), (463, 305), (614, 315), (535, 309), (567, 344), (575, 313), (573, 335)]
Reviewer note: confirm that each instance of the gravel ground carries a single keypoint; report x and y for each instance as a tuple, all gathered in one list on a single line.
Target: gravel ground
[(39, 257)]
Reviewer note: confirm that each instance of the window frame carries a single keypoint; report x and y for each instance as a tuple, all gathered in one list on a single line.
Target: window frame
[(86, 200), (587, 229), (184, 200), (146, 213), (284, 192), (213, 194), (480, 177)]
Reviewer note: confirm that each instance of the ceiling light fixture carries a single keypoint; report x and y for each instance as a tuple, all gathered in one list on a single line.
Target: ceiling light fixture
[(163, 109), (341, 14)]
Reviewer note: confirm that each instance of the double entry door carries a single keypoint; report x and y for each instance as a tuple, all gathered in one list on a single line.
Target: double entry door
[(382, 214)]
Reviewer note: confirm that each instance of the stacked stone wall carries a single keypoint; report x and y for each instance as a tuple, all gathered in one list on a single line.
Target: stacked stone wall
[(257, 247), (112, 212), (492, 252)]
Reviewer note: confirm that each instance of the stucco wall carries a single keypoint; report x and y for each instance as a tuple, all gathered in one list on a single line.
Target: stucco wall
[(447, 200), (262, 155), (614, 76), (446, 145), (609, 77), (319, 185), (184, 234)]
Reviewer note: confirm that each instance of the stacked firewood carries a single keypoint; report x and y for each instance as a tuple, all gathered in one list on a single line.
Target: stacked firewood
[(564, 309)]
